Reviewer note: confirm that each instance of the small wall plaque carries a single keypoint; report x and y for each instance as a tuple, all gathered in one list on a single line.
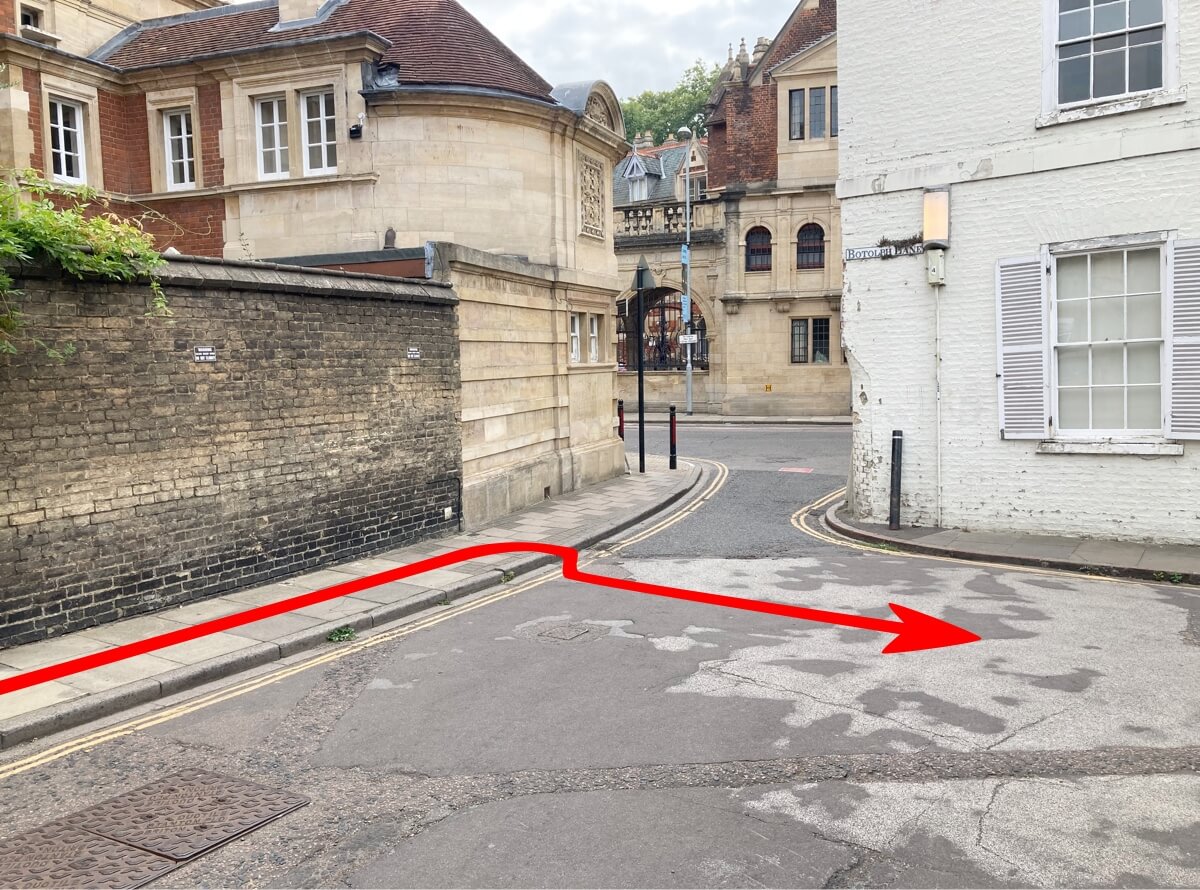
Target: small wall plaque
[(204, 354), (414, 353)]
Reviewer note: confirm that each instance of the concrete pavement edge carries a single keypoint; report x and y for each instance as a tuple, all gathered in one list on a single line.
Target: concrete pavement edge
[(97, 706), (1131, 573)]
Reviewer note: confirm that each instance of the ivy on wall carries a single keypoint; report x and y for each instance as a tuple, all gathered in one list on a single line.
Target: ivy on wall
[(46, 224)]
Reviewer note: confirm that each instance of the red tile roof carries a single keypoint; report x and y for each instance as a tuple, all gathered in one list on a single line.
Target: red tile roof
[(433, 41)]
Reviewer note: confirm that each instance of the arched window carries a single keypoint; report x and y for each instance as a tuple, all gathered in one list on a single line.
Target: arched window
[(810, 247), (758, 250)]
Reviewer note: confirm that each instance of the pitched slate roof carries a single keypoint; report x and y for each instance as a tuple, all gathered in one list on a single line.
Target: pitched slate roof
[(433, 42), (661, 177)]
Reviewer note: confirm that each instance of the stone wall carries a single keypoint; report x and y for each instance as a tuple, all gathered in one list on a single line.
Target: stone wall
[(535, 423), (134, 478)]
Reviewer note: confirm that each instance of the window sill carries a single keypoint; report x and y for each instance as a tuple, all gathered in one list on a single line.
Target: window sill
[(258, 186), (1126, 105), (1141, 449)]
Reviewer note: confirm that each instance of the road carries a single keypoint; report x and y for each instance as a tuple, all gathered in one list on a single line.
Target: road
[(574, 737)]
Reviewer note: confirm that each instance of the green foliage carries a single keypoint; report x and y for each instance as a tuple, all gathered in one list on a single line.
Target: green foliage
[(71, 229), (665, 112), (342, 635)]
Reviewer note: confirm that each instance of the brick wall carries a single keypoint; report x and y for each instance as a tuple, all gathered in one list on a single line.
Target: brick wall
[(133, 479), (750, 145), (33, 86), (125, 149), (8, 17), (209, 125)]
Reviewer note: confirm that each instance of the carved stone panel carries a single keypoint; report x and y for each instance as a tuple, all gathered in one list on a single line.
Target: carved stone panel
[(591, 196), (598, 111)]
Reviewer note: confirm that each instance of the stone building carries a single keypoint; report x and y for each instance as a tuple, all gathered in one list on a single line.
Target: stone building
[(330, 132), (766, 274), (1047, 377)]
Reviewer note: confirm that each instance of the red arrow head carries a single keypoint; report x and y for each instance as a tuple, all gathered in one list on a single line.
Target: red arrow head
[(921, 631)]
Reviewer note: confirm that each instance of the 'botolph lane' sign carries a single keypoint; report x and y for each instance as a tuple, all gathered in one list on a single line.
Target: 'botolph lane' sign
[(881, 253)]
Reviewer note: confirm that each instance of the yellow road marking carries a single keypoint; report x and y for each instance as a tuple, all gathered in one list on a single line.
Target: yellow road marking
[(800, 519), (244, 687)]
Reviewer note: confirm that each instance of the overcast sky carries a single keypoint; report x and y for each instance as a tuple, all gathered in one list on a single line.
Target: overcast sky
[(635, 45)]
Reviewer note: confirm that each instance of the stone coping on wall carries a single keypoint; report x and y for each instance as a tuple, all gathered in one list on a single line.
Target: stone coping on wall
[(200, 272), (447, 255)]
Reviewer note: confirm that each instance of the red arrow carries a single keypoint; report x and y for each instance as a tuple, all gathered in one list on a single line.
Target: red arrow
[(914, 631)]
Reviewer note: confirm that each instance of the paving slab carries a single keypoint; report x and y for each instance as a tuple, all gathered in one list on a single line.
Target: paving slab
[(1155, 562)]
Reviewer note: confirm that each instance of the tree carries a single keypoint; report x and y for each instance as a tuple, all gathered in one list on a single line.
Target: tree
[(665, 112)]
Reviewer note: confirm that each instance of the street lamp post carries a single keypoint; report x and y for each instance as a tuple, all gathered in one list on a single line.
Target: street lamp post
[(685, 135), (642, 282)]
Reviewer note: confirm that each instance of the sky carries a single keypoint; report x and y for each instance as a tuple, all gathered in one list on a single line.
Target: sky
[(635, 45)]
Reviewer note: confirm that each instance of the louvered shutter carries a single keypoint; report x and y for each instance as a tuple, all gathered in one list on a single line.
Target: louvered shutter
[(1185, 341), (1022, 320)]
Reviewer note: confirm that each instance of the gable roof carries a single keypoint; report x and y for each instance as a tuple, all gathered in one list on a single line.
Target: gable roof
[(433, 42), (661, 172)]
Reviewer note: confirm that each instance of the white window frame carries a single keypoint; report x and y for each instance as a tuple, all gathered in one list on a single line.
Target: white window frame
[(594, 339), (80, 131), (639, 188), (1170, 92), (282, 145), (1052, 255), (189, 145), (325, 95), (576, 355)]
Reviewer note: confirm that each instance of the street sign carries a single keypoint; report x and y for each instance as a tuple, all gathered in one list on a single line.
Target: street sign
[(686, 255), (689, 339), (687, 308)]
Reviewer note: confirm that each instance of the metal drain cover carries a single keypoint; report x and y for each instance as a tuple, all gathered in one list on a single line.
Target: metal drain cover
[(186, 814), (61, 855)]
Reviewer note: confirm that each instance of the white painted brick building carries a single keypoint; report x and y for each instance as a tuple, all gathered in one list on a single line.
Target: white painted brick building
[(1068, 133)]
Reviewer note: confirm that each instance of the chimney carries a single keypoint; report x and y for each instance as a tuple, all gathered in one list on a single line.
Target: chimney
[(643, 141), (742, 66), (760, 50), (293, 11)]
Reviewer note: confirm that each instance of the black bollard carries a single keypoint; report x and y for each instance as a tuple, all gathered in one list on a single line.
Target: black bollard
[(897, 464), (621, 419), (674, 440)]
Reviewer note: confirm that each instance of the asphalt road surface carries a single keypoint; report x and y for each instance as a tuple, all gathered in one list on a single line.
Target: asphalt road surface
[(569, 736)]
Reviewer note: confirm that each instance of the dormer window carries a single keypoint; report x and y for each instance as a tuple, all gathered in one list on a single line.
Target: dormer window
[(639, 189)]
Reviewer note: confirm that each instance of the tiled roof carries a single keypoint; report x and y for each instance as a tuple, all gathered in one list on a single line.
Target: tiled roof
[(433, 42), (661, 181)]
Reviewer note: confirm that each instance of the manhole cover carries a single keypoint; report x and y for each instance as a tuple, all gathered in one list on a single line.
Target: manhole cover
[(186, 814), (566, 632), (61, 855)]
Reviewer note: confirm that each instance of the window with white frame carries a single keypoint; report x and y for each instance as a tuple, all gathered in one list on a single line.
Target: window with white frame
[(639, 188), (593, 338), (1100, 341), (31, 17), (1106, 49), (272, 127), (180, 149), (576, 355), (320, 132), (68, 159), (1108, 348)]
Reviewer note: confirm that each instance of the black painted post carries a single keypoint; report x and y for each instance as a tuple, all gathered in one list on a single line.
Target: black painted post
[(897, 465), (621, 419), (643, 281), (674, 440)]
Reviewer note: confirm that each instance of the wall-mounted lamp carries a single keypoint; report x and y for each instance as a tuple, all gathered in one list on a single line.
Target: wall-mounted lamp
[(356, 130), (937, 233)]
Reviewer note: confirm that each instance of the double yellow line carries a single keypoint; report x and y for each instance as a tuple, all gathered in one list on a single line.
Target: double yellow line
[(243, 687)]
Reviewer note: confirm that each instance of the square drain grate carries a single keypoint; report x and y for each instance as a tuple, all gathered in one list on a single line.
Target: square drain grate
[(133, 839)]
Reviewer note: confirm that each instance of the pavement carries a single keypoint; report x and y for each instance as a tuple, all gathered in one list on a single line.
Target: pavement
[(1172, 563), (733, 420), (576, 520)]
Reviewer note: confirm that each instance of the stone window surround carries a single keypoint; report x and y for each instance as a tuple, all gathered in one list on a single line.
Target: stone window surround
[(786, 85), (88, 99), (157, 104), (1098, 443), (288, 84), (1172, 91)]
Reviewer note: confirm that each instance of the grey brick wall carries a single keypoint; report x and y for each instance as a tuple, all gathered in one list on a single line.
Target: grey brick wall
[(133, 478)]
